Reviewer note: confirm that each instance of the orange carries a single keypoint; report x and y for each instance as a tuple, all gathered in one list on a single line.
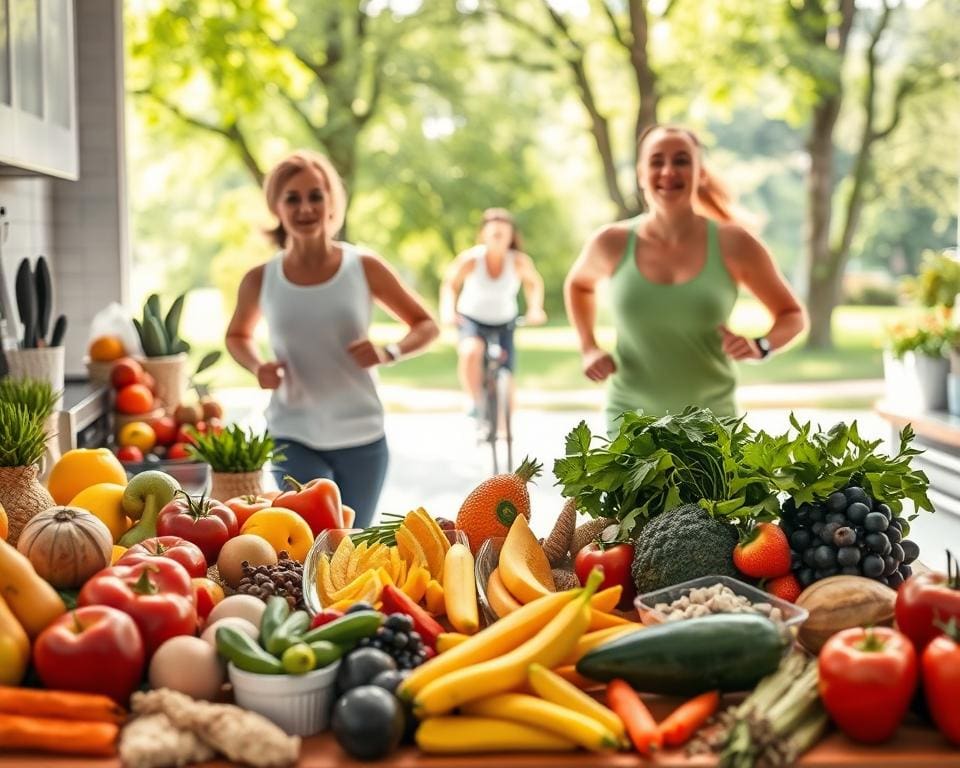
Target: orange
[(105, 349), (284, 529), (105, 502), (138, 434), (492, 506), (134, 399), (81, 468), (4, 525)]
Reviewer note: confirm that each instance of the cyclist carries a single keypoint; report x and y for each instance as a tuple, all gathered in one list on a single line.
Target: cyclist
[(479, 293)]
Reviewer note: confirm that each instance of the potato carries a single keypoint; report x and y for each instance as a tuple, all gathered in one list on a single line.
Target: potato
[(189, 665), (244, 625), (245, 606)]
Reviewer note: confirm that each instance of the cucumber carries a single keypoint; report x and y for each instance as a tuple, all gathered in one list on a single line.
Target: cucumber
[(276, 612), (288, 633), (347, 629), (729, 652), (245, 653)]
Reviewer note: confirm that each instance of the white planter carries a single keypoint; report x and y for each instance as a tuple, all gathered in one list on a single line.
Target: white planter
[(900, 383), (931, 376)]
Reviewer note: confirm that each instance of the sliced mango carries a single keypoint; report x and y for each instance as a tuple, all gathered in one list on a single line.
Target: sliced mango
[(524, 568), (410, 549), (431, 545), (325, 585), (340, 561), (416, 583)]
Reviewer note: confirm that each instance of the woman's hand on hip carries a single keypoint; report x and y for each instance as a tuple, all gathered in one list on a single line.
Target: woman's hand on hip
[(270, 375), (597, 364), (738, 347), (366, 354)]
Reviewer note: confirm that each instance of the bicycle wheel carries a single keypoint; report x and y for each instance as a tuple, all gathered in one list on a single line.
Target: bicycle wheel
[(492, 415), (504, 418)]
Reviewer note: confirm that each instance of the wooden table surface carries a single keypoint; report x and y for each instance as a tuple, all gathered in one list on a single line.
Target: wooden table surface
[(915, 746)]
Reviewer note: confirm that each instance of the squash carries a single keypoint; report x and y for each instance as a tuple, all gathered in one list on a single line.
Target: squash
[(33, 601), (841, 602), (66, 545), (14, 647)]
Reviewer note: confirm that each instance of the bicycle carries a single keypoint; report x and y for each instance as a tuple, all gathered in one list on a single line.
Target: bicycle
[(494, 421)]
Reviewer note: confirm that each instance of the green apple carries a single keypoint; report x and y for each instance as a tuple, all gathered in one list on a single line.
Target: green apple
[(143, 498)]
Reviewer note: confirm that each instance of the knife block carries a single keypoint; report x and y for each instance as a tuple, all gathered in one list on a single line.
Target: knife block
[(41, 363)]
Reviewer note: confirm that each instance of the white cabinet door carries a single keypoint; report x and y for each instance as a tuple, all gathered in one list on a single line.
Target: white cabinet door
[(41, 123)]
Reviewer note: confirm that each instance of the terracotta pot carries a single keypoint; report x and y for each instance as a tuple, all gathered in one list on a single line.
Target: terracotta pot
[(22, 497), (170, 373)]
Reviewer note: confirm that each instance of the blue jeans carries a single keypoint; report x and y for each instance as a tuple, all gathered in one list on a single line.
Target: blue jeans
[(359, 472)]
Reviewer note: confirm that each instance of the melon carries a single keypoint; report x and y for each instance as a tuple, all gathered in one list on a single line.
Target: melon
[(66, 545), (841, 602)]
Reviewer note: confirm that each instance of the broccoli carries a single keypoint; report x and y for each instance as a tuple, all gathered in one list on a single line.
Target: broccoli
[(681, 544)]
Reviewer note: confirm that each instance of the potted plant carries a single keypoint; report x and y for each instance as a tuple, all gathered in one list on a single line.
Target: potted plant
[(23, 440), (165, 353), (236, 460), (920, 348), (40, 399)]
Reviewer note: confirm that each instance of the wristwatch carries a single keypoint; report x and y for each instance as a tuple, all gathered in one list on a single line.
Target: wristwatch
[(763, 344), (393, 352)]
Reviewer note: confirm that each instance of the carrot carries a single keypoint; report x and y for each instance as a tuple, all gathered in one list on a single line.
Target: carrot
[(640, 725), (686, 719), (46, 734), (66, 705)]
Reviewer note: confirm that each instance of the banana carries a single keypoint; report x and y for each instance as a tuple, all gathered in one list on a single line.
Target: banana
[(459, 735), (566, 723), (497, 639), (448, 640), (460, 590), (596, 638), (553, 688), (508, 672)]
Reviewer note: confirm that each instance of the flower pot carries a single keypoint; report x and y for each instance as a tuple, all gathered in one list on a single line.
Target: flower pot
[(43, 363), (170, 374), (931, 378), (226, 485), (953, 394), (22, 497)]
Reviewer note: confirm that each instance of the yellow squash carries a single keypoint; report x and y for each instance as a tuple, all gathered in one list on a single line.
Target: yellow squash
[(552, 687), (33, 601), (460, 590), (471, 735), (14, 647)]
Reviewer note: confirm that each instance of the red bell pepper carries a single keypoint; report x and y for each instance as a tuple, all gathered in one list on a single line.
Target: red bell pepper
[(317, 502), (95, 649), (184, 552), (925, 598), (614, 560), (157, 595), (395, 600), (867, 678), (941, 681), (325, 617)]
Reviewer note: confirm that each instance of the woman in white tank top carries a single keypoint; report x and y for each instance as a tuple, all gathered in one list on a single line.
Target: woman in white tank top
[(316, 295), (480, 292)]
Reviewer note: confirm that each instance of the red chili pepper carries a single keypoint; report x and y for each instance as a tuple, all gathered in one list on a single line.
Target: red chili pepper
[(867, 678), (317, 502), (157, 595), (397, 601)]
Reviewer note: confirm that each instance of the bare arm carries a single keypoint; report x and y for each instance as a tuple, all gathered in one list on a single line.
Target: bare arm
[(754, 268), (400, 301), (532, 289), (239, 338)]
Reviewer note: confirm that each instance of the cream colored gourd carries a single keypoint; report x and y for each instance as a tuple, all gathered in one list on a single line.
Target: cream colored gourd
[(841, 602), (66, 545)]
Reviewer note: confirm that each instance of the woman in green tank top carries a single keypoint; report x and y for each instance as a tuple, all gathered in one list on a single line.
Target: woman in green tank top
[(674, 275)]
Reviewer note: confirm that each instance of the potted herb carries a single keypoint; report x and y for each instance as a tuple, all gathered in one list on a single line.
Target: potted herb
[(916, 365), (165, 353), (40, 399), (23, 440), (236, 459)]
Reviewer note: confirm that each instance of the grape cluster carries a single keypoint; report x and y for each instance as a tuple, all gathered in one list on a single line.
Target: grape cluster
[(284, 579), (398, 639), (848, 533)]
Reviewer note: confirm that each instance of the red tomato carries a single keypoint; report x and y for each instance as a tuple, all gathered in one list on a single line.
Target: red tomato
[(615, 560), (244, 506), (181, 550), (126, 371), (206, 593), (941, 683), (129, 454), (927, 596), (317, 502), (205, 522), (165, 429), (157, 594), (178, 451), (867, 678), (95, 649), (325, 617)]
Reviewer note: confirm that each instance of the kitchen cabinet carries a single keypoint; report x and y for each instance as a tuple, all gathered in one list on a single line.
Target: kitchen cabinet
[(38, 110)]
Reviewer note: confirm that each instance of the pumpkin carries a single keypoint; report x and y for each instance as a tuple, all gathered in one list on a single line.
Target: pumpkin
[(66, 545), (841, 602)]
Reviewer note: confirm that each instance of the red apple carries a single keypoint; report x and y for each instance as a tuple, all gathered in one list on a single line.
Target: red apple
[(126, 371), (130, 454), (166, 430), (178, 451)]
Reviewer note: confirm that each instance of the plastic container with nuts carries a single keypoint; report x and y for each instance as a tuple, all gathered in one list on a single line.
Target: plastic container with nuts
[(716, 594)]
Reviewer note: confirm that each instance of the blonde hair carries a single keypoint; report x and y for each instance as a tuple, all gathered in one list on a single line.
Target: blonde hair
[(711, 198), (502, 214), (290, 166)]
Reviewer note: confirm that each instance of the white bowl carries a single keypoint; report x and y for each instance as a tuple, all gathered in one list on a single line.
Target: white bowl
[(300, 704)]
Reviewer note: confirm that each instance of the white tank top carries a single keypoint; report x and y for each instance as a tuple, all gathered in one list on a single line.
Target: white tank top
[(326, 400), (486, 299)]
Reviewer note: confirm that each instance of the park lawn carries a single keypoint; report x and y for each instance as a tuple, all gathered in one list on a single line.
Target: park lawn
[(547, 358)]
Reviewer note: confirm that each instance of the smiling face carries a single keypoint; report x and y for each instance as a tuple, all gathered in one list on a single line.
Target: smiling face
[(497, 233), (669, 168), (303, 205)]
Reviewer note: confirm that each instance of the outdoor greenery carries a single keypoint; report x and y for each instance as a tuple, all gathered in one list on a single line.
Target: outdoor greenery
[(831, 119)]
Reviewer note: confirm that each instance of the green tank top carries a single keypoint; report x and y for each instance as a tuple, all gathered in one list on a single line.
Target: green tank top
[(668, 351)]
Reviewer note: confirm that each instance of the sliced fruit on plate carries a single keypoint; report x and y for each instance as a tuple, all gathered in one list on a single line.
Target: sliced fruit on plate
[(340, 561)]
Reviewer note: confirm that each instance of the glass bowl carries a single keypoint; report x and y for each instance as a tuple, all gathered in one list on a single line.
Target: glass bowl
[(326, 543), (193, 476), (486, 561), (791, 616)]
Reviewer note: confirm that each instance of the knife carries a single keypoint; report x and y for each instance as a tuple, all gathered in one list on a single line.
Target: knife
[(44, 298)]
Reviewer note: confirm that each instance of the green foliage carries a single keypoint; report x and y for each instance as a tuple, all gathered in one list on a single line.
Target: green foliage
[(160, 333), (929, 335), (938, 282), (36, 395), (23, 438), (234, 450)]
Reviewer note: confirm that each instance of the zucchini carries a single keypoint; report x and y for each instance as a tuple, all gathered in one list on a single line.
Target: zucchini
[(729, 652), (347, 629)]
